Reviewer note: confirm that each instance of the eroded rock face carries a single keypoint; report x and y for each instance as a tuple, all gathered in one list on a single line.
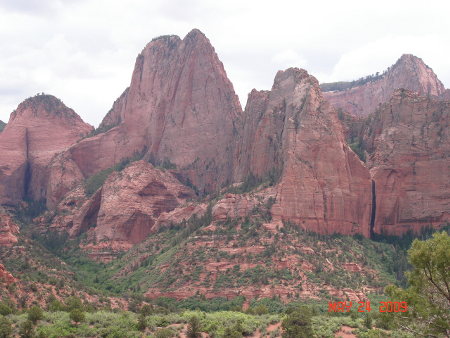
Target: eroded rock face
[(5, 276), (179, 109), (409, 72), (132, 201), (233, 206), (131, 204), (409, 144), (39, 128), (292, 131), (8, 230)]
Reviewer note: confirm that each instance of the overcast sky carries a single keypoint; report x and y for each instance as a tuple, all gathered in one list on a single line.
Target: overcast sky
[(83, 51)]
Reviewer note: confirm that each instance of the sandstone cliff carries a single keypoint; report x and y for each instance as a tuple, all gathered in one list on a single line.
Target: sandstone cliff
[(179, 109), (409, 72), (408, 140), (39, 128), (130, 205), (293, 132)]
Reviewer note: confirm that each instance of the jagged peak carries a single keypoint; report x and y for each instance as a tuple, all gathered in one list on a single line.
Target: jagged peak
[(409, 59), (192, 38), (195, 35), (297, 74), (407, 63)]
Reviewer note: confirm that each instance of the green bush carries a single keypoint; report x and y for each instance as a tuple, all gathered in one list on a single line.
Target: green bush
[(26, 329), (73, 303), (96, 181), (35, 313), (142, 323), (164, 333), (5, 327), (77, 315), (193, 330), (297, 324), (5, 309)]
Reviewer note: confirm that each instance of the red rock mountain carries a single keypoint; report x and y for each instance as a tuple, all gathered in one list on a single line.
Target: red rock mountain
[(39, 128), (179, 109), (180, 112), (409, 72), (408, 140), (293, 133), (130, 205)]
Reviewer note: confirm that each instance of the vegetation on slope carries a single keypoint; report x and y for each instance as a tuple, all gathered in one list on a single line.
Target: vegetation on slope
[(343, 85)]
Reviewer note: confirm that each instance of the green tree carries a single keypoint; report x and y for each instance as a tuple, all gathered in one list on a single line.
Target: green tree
[(77, 316), (147, 310), (5, 309), (142, 323), (5, 328), (26, 329), (164, 333), (73, 303), (53, 304), (428, 295), (231, 332), (259, 309), (368, 321), (193, 330), (297, 324), (35, 313)]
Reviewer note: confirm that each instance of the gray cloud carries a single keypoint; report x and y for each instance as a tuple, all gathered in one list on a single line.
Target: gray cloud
[(84, 51)]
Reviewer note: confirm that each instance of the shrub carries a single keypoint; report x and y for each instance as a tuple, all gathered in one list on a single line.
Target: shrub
[(260, 309), (146, 310), (298, 324), (96, 181), (26, 329), (368, 321), (141, 324), (35, 313), (5, 328), (5, 309), (77, 315), (164, 333), (73, 303), (193, 330)]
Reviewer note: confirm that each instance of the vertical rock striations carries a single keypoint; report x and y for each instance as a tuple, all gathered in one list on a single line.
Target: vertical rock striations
[(180, 109), (39, 128), (292, 131), (409, 145)]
